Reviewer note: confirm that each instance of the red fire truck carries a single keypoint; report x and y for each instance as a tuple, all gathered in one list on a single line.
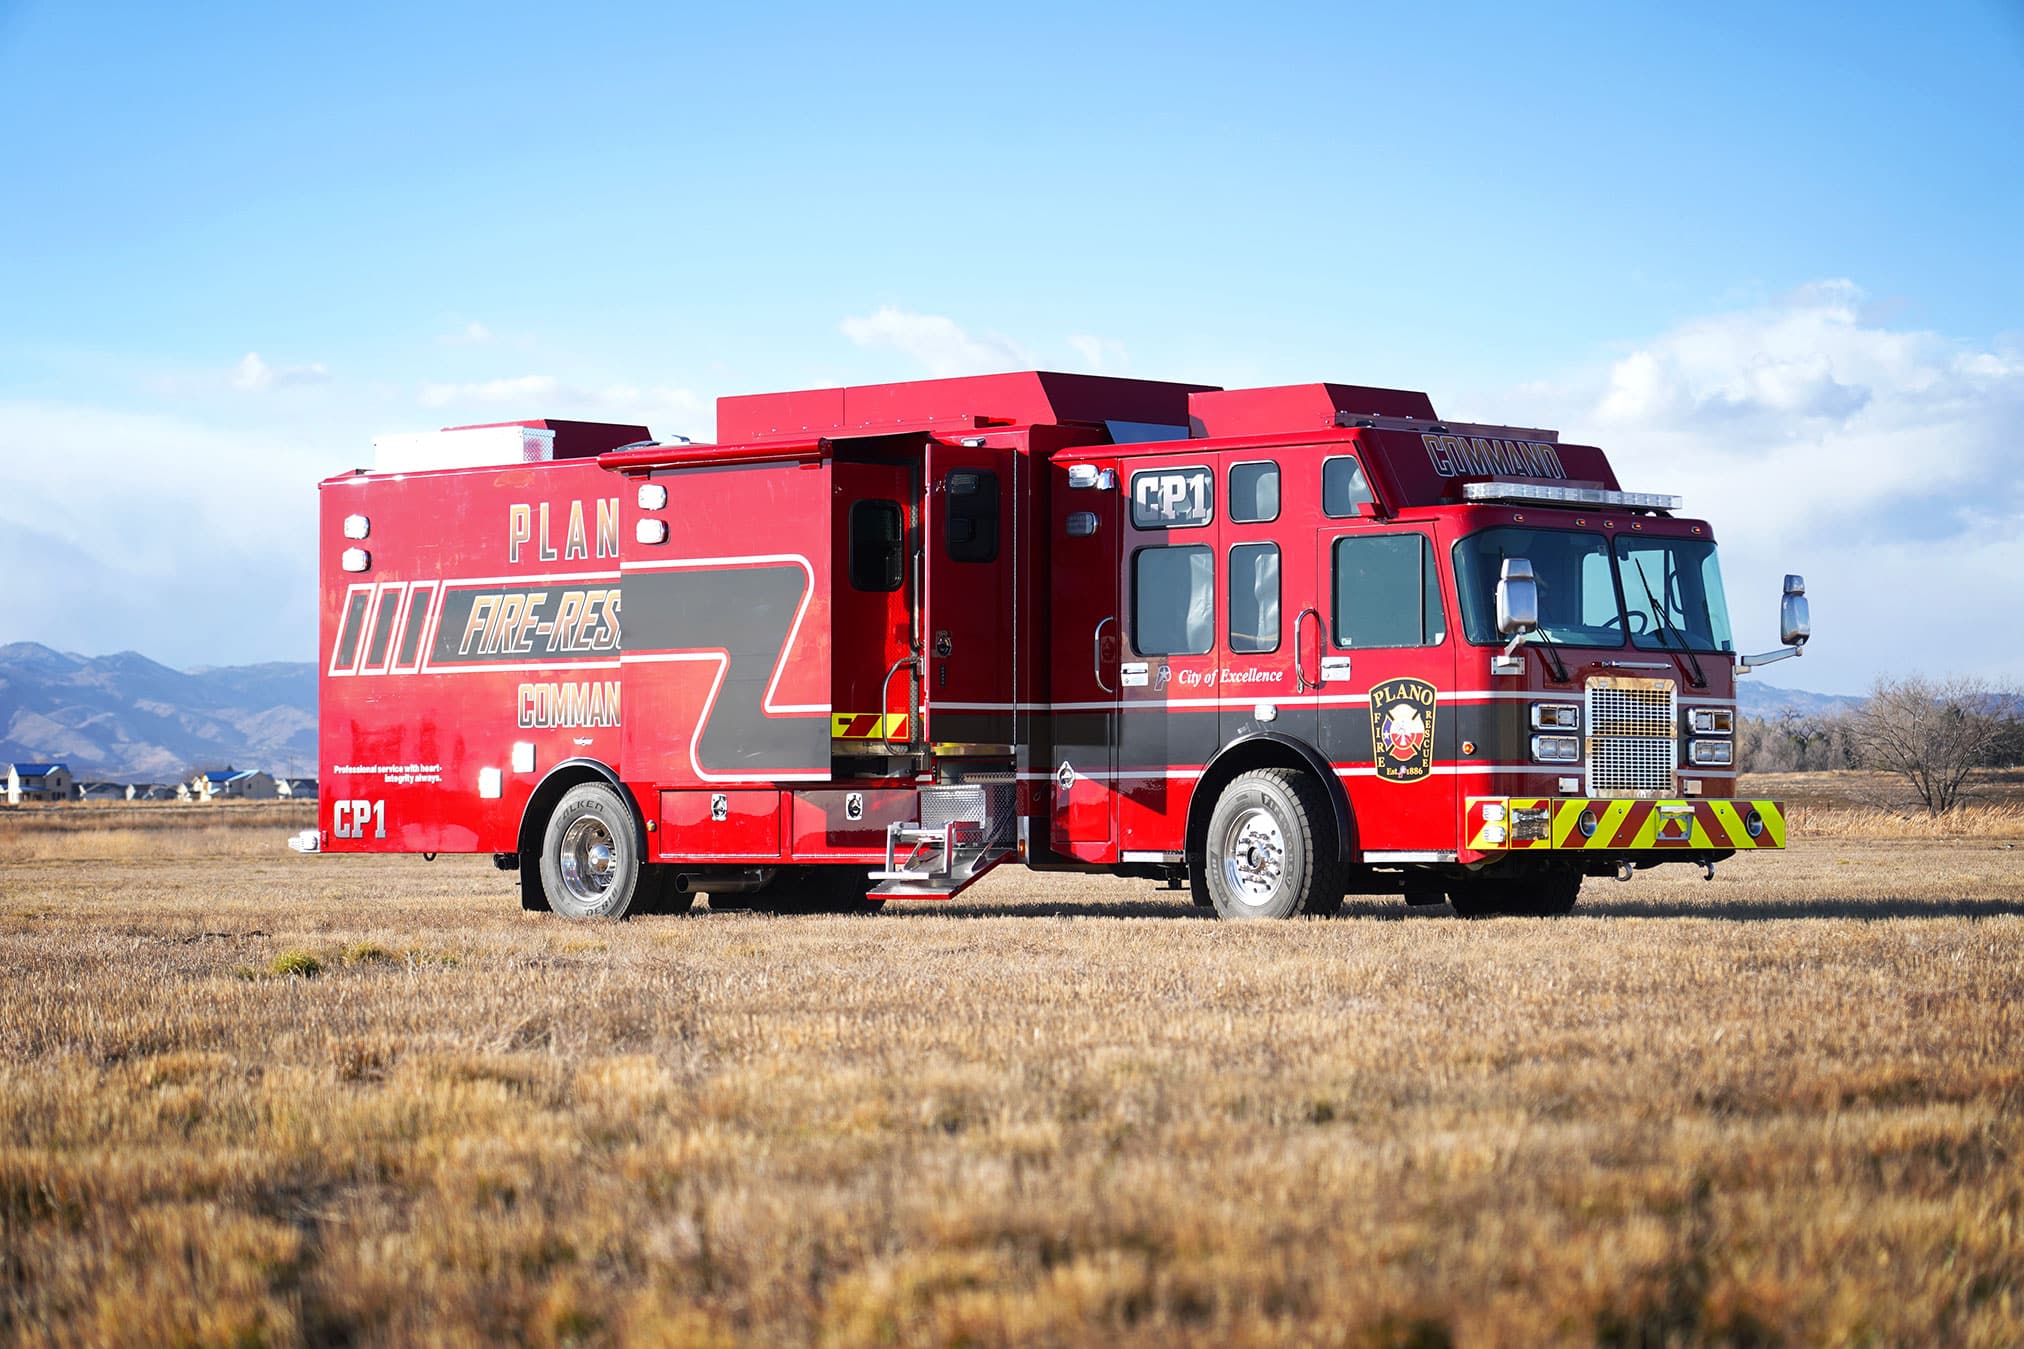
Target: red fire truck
[(1279, 644)]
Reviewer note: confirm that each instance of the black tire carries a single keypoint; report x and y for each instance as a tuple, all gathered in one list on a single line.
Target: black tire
[(658, 894), (1271, 848), (805, 889), (1542, 894), (590, 855)]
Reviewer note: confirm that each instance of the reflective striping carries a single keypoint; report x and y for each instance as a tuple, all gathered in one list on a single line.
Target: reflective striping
[(867, 726), (1622, 825)]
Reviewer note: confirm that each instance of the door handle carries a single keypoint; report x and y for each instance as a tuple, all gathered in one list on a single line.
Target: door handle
[(1096, 642), (1299, 670)]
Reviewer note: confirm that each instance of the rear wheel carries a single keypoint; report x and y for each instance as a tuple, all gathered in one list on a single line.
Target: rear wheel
[(1270, 851), (1540, 894), (590, 862), (805, 889)]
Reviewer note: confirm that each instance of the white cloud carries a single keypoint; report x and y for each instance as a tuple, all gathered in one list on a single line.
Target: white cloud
[(472, 334), (1100, 354), (939, 344), (255, 375), (186, 541), (1880, 462)]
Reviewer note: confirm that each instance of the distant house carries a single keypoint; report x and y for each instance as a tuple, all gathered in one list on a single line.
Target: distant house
[(151, 791), (101, 791), (296, 789), (38, 782), (233, 784)]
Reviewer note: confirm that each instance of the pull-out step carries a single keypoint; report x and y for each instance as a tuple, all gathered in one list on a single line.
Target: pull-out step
[(964, 831)]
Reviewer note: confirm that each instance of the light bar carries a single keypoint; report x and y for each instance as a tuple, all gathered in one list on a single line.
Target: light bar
[(1571, 496)]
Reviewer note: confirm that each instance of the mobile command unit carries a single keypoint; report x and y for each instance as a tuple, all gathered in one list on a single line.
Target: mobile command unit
[(1278, 645)]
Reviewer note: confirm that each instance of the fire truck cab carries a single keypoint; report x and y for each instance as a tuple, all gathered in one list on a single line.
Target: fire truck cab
[(1280, 645)]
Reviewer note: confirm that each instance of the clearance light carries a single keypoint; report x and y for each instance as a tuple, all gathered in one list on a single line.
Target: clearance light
[(1555, 748), (1712, 753), (653, 496), (355, 559), (1569, 496), (1555, 716), (651, 531), (356, 526), (1714, 721)]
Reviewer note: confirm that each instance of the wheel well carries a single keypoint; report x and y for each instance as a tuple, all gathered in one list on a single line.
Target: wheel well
[(1265, 751), (534, 818)]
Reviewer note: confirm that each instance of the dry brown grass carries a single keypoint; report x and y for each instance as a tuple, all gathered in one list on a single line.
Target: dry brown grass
[(1787, 1106)]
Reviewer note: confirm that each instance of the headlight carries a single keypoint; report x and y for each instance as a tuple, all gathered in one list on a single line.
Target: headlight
[(1714, 721), (1556, 748), (1555, 717), (1712, 752)]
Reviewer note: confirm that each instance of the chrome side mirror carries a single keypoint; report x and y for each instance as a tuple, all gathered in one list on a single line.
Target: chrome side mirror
[(1795, 622), (1518, 598)]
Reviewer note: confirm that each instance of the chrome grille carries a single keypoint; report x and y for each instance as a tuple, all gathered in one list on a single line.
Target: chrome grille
[(1633, 737)]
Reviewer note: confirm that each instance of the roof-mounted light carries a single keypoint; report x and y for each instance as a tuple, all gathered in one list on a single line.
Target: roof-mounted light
[(1568, 496)]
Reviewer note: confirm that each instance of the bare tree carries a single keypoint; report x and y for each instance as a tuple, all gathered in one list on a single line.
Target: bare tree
[(1935, 734)]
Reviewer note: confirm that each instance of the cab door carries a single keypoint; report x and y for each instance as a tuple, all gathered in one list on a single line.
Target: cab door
[(1079, 727), (1384, 665), (1169, 679), (874, 533)]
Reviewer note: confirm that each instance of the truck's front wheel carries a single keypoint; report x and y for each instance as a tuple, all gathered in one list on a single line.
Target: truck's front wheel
[(1270, 849), (590, 862)]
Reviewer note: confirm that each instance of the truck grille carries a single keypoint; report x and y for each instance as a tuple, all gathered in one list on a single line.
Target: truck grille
[(1633, 737)]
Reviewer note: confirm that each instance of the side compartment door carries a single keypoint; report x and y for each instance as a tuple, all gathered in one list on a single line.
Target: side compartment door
[(1084, 539), (968, 620), (873, 600), (1387, 667)]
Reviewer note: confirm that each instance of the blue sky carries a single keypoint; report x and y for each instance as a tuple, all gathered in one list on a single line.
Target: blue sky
[(1739, 247)]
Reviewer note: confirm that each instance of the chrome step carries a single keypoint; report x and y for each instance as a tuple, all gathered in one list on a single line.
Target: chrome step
[(965, 830)]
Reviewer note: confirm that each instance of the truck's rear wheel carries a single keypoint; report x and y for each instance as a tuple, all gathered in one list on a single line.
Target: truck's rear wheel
[(1541, 894), (807, 889), (590, 862), (1270, 851)]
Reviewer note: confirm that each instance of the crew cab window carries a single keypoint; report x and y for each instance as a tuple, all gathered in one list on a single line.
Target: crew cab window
[(878, 552), (1254, 597), (1343, 487), (1387, 592), (1254, 492), (1173, 601), (970, 514)]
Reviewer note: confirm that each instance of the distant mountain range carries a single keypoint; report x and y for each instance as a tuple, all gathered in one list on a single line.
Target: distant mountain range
[(130, 719)]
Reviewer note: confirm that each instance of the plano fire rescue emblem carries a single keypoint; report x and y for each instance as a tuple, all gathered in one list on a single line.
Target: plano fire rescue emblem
[(1402, 729)]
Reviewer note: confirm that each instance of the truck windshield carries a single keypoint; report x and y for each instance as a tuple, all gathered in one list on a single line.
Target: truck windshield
[(1682, 576), (1585, 590)]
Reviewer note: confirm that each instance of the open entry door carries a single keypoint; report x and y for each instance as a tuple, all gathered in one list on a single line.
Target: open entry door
[(969, 620)]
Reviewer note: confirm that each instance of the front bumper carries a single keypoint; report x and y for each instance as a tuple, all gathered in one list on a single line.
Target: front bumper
[(1543, 823)]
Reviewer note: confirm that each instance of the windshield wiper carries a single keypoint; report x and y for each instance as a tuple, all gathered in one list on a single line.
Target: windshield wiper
[(1700, 680), (1554, 665)]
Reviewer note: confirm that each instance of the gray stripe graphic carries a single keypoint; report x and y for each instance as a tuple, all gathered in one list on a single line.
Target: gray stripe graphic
[(745, 612)]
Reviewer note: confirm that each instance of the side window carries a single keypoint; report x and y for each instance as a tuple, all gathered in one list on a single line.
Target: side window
[(878, 550), (1387, 592), (1343, 487), (1173, 601), (970, 514), (1173, 498), (1254, 493), (1254, 597)]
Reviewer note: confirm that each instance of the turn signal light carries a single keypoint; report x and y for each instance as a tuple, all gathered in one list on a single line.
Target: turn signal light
[(1712, 753), (1556, 748)]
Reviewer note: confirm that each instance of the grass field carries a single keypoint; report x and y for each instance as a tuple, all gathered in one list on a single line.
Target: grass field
[(247, 1096)]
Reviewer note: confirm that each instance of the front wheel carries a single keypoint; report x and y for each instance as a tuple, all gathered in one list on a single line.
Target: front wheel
[(590, 861), (1270, 851)]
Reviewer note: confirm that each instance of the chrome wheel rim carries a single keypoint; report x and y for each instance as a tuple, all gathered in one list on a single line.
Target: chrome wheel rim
[(589, 861), (1254, 857)]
